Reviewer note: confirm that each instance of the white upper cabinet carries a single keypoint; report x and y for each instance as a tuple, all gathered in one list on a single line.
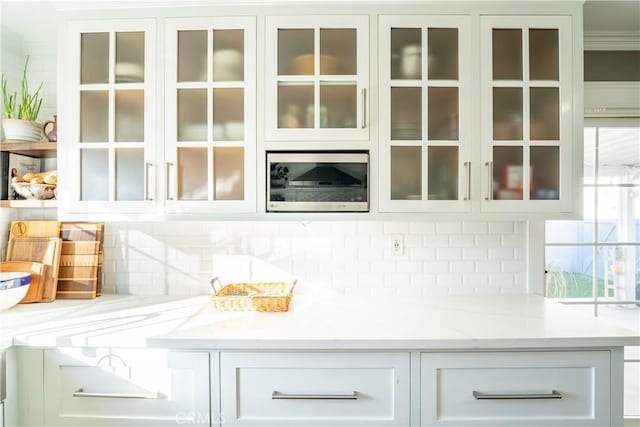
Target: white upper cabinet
[(210, 115), (108, 156), (425, 114), (316, 78), (527, 114)]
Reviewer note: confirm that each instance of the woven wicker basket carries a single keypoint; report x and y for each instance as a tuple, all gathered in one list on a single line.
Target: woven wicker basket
[(260, 296)]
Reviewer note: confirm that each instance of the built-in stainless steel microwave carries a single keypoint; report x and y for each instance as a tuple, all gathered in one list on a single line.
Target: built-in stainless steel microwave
[(317, 181)]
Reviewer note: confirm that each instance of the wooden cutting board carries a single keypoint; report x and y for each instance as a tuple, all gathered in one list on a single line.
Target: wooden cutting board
[(45, 250), (38, 274), (34, 229)]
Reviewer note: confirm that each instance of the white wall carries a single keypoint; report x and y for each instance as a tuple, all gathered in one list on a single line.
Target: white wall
[(441, 258)]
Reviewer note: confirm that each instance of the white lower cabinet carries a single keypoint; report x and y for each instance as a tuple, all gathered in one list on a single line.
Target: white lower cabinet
[(327, 389), (125, 387), (561, 388)]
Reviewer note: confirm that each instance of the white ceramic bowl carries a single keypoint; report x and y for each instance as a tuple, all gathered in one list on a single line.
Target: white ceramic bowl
[(35, 191), (234, 131), (227, 65), (13, 287), (129, 72)]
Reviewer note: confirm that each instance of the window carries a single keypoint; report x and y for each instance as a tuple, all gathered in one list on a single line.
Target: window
[(597, 260)]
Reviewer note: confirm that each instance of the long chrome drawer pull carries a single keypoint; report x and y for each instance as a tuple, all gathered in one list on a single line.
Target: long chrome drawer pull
[(553, 395), (352, 396), (149, 395)]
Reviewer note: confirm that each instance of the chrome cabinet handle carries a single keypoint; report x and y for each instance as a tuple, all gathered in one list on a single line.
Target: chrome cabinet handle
[(364, 108), (168, 181), (489, 195), (467, 168), (147, 165), (489, 396), (352, 396), (112, 395)]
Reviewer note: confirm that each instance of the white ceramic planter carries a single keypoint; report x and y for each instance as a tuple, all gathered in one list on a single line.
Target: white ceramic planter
[(22, 130)]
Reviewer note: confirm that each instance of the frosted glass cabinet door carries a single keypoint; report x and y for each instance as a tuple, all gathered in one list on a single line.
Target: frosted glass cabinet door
[(109, 111), (210, 114), (527, 114), (424, 114), (317, 78)]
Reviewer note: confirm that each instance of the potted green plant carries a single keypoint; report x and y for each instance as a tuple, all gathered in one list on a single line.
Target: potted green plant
[(21, 114)]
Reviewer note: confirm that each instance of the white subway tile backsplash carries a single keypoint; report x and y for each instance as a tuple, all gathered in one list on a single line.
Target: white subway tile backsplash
[(440, 258), (435, 266), (449, 227), (396, 227), (501, 253), (475, 253), (421, 254), (513, 241), (422, 228), (409, 267), (448, 253), (488, 241), (462, 241), (436, 241), (424, 280), (462, 266), (474, 227), (449, 280), (505, 227)]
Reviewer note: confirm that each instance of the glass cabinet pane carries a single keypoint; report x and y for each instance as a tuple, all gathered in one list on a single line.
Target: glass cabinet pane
[(507, 113), (443, 53), (192, 173), (442, 180), (545, 113), (507, 53), (192, 56), (192, 114), (543, 54), (545, 173), (507, 173), (443, 113), (129, 121), (228, 114), (228, 55), (94, 116), (295, 106), (406, 53), (338, 103), (94, 173), (228, 173), (338, 51), (295, 52), (129, 57), (129, 174), (406, 173), (406, 113), (94, 58)]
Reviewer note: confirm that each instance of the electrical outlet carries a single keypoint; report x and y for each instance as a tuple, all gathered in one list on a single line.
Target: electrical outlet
[(397, 244)]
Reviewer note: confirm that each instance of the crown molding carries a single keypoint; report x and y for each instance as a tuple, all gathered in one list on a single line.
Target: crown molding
[(612, 40)]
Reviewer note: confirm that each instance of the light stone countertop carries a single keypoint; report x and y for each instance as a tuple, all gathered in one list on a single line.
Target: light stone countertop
[(317, 321)]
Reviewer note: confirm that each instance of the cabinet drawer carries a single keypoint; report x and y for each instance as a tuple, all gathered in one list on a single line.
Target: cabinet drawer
[(108, 387), (315, 388), (516, 388)]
